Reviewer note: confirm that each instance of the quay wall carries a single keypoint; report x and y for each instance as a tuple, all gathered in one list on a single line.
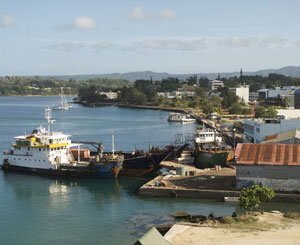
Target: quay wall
[(208, 194)]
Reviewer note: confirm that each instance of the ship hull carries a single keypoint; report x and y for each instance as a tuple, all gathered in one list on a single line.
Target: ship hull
[(110, 170), (208, 159), (141, 165), (144, 165)]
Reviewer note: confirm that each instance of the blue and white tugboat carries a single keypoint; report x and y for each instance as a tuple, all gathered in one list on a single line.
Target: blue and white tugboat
[(47, 152)]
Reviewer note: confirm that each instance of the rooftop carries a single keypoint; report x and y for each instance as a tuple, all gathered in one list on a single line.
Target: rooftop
[(274, 138), (268, 154)]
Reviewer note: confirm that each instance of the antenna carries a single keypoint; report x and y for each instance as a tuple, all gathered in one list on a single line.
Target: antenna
[(48, 117)]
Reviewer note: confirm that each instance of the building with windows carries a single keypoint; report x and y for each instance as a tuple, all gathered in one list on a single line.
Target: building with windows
[(215, 84), (256, 130)]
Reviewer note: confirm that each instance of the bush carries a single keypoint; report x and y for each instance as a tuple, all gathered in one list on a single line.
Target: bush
[(251, 198)]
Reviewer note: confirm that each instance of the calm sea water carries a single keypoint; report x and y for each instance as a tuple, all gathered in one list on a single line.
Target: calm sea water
[(38, 210)]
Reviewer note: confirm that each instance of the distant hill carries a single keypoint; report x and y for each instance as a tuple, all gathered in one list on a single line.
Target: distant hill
[(293, 71)]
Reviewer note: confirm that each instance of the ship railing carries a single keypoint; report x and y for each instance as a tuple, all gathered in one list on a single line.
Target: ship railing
[(11, 152), (8, 152)]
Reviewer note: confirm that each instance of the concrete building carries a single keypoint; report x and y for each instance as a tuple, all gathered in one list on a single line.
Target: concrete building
[(272, 165), (289, 137), (243, 93), (297, 99), (275, 92), (215, 84), (253, 96), (256, 130), (288, 113)]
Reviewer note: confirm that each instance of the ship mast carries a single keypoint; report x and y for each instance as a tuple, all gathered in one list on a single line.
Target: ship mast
[(48, 117), (113, 143)]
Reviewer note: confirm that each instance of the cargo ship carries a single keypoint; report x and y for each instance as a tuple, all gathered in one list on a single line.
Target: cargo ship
[(47, 152), (210, 149)]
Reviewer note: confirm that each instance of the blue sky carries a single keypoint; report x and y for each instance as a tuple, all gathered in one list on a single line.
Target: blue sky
[(87, 36)]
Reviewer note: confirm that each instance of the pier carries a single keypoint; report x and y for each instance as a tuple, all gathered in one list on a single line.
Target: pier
[(205, 184)]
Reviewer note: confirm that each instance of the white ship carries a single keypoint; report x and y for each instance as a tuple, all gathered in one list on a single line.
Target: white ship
[(48, 152)]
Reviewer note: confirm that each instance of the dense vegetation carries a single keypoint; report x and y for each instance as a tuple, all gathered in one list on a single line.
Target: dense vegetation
[(145, 92), (257, 82), (49, 86)]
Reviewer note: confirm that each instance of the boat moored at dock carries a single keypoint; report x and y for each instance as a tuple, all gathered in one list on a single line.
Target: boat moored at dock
[(181, 118), (210, 149), (48, 152)]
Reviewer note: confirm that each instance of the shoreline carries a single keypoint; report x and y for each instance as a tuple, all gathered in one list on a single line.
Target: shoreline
[(170, 109)]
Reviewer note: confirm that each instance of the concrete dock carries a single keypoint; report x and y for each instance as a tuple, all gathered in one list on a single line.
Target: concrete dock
[(206, 184)]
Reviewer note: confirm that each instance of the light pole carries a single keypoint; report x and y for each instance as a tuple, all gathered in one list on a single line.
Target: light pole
[(233, 134)]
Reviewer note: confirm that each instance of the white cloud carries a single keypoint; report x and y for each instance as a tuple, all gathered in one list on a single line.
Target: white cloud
[(99, 46), (174, 43), (138, 13), (84, 22), (167, 14), (253, 42), (73, 46), (66, 47), (178, 43), (272, 42), (7, 21), (237, 42)]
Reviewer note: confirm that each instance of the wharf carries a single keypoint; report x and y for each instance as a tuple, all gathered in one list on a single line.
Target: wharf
[(206, 184)]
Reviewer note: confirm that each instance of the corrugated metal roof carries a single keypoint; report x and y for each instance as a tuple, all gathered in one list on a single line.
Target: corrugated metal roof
[(268, 154)]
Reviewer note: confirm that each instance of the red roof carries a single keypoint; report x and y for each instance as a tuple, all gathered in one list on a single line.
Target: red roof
[(268, 154)]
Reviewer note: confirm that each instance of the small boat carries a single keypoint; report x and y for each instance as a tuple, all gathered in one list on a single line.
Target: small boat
[(175, 117), (47, 152), (187, 119), (181, 117), (209, 149), (64, 105)]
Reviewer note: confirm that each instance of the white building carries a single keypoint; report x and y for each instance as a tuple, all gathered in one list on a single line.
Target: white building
[(243, 93), (288, 113), (176, 94), (110, 95), (215, 84), (256, 130)]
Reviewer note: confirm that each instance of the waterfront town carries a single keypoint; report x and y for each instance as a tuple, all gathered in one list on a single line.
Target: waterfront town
[(150, 122), (261, 126), (246, 136)]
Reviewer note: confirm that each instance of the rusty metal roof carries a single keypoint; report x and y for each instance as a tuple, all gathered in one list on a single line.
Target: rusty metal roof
[(268, 154)]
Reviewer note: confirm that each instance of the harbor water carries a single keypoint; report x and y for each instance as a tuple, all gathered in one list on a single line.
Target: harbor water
[(40, 210)]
